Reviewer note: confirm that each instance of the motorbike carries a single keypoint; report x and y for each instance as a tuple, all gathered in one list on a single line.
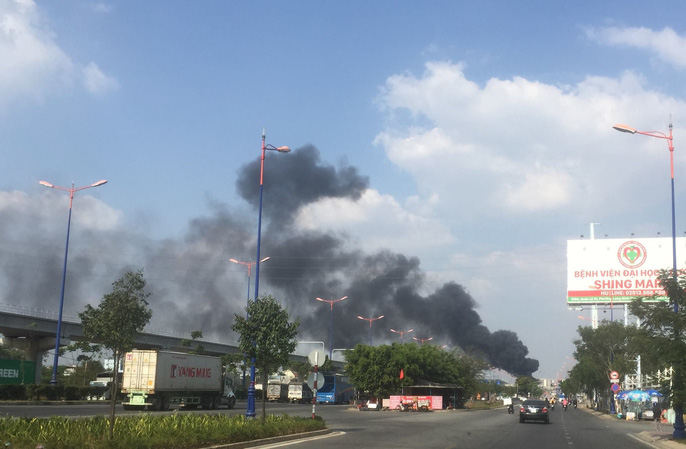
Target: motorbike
[(510, 409), (565, 407)]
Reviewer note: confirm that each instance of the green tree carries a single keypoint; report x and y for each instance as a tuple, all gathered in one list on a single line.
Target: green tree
[(527, 386), (610, 347), (188, 344), (665, 332), (121, 315), (376, 370), (88, 364), (267, 336)]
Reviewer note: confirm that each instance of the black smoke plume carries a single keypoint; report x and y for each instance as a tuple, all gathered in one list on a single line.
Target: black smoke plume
[(195, 287), (306, 265)]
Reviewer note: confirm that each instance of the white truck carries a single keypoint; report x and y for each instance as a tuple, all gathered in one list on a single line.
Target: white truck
[(161, 379), (277, 391), (300, 393)]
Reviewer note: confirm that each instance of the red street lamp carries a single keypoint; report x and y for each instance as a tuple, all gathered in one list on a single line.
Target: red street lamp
[(401, 333), (250, 409), (71, 191), (422, 340), (370, 325), (670, 145), (679, 432), (331, 301)]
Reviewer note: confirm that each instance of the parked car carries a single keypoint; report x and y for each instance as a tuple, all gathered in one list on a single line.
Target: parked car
[(534, 410)]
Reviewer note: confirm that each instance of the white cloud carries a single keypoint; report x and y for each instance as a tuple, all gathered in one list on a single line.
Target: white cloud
[(518, 144), (32, 64), (96, 81), (377, 222), (666, 44)]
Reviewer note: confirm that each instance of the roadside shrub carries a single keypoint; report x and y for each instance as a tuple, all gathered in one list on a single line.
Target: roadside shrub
[(12, 392), (174, 431), (72, 393), (32, 392)]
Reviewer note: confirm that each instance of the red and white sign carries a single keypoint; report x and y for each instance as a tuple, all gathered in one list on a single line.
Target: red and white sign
[(607, 271), (614, 375)]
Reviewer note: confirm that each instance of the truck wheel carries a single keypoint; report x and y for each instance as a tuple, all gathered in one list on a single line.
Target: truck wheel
[(165, 403), (156, 405), (232, 403)]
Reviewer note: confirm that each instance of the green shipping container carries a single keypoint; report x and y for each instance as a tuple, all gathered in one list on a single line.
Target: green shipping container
[(14, 372)]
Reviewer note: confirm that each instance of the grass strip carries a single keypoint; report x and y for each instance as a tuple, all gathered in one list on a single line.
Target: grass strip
[(146, 431)]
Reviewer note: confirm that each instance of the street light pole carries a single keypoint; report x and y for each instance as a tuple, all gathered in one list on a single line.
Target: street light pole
[(250, 410), (670, 144), (370, 325), (249, 264), (679, 428), (71, 190), (331, 301), (401, 333)]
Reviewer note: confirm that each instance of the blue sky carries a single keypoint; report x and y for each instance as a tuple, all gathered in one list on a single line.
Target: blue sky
[(484, 130)]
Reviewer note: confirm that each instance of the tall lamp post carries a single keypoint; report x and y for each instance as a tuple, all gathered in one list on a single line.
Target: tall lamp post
[(331, 301), (422, 340), (371, 320), (248, 264), (250, 410), (401, 333), (71, 190), (670, 144), (679, 432)]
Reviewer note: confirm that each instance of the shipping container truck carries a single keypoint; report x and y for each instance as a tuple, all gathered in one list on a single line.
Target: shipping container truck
[(159, 379), (300, 393)]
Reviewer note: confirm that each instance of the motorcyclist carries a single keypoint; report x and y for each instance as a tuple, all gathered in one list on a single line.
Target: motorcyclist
[(574, 402), (510, 408), (564, 403)]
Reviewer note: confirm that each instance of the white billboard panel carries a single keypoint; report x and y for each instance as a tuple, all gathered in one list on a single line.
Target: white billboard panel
[(606, 271)]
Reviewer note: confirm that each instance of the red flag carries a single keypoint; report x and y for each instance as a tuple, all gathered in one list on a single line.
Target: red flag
[(402, 374)]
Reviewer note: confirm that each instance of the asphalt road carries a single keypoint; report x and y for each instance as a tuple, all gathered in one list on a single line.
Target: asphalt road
[(440, 429)]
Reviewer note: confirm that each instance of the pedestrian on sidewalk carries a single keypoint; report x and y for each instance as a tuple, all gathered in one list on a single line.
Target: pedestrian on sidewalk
[(657, 416)]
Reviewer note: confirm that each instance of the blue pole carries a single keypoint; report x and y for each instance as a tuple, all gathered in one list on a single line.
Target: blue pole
[(53, 379), (250, 410), (247, 303)]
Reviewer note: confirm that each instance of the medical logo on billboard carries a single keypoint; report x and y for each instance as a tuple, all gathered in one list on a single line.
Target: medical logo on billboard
[(632, 254)]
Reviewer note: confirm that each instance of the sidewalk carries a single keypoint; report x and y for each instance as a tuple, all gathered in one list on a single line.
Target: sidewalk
[(661, 439)]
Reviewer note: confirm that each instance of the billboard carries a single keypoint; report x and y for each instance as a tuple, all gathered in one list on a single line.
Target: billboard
[(615, 271), (14, 372)]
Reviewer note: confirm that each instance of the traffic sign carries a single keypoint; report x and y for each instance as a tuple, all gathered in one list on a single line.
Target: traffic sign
[(615, 388), (614, 375), (316, 357), (320, 380)]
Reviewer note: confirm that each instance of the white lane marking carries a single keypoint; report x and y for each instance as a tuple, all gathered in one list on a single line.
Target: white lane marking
[(300, 440), (647, 443)]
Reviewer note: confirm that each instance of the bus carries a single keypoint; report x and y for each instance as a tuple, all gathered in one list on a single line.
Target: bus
[(336, 390)]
